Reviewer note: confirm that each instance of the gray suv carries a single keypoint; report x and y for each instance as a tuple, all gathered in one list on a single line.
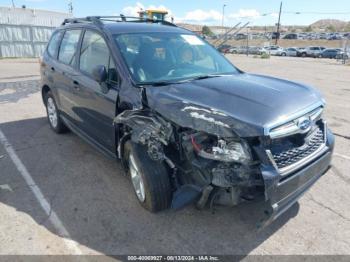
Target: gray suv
[(312, 51), (188, 126)]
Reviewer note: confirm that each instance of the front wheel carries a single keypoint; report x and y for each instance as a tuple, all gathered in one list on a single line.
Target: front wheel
[(149, 178)]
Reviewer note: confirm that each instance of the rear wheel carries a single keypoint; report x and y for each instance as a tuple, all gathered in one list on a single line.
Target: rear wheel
[(53, 114), (149, 178)]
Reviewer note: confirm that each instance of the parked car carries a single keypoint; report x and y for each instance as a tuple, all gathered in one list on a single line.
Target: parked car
[(291, 36), (329, 53), (242, 49), (343, 55), (275, 50), (240, 36), (233, 50), (256, 50), (188, 126), (224, 48), (312, 51), (290, 51), (275, 35)]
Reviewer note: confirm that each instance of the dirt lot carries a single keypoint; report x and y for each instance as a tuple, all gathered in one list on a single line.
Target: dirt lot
[(291, 43), (79, 201)]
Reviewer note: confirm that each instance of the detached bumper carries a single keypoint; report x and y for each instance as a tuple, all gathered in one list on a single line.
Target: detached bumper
[(283, 192)]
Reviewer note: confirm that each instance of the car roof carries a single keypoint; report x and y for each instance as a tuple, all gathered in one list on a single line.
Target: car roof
[(131, 27)]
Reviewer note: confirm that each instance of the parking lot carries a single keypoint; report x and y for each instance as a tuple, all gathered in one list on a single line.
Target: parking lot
[(92, 208)]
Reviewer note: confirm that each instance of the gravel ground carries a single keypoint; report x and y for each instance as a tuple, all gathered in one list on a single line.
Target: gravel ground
[(93, 200)]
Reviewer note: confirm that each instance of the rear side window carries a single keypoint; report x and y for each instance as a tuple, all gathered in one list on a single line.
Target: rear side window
[(68, 48), (94, 52), (52, 47)]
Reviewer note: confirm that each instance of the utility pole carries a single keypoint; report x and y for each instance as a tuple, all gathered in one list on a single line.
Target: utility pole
[(247, 40), (70, 7), (223, 15), (13, 4), (278, 25)]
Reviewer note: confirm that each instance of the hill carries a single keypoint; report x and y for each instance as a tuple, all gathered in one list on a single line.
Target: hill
[(338, 25)]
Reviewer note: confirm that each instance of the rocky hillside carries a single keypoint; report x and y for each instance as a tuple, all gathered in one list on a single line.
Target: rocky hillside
[(338, 25)]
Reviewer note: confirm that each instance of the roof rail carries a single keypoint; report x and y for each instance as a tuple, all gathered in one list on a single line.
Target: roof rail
[(98, 20)]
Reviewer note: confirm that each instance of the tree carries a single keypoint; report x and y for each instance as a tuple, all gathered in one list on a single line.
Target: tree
[(206, 31), (347, 27), (331, 28), (308, 29)]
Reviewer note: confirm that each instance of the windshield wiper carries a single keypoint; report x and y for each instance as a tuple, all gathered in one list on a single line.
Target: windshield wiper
[(200, 77), (205, 76), (165, 83)]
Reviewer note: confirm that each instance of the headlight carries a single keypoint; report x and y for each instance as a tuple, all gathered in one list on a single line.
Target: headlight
[(221, 150)]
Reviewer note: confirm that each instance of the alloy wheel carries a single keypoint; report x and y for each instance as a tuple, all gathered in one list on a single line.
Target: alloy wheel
[(136, 178), (52, 112)]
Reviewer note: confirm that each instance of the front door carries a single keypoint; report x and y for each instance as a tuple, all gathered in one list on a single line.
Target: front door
[(96, 102)]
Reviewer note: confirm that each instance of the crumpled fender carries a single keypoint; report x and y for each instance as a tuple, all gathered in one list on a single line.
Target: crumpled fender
[(147, 128)]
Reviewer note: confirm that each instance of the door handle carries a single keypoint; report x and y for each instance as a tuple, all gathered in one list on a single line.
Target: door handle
[(76, 84), (52, 69)]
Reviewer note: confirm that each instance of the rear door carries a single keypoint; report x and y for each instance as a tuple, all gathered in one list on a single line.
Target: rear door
[(49, 63), (96, 102), (65, 70)]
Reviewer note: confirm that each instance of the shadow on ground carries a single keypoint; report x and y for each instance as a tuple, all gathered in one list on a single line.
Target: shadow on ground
[(95, 202), (12, 92)]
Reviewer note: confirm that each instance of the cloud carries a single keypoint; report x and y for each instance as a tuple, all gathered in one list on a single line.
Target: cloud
[(274, 15), (200, 15), (214, 16), (245, 13), (133, 10)]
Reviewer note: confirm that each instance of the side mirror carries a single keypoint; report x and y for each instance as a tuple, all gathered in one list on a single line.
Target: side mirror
[(99, 73)]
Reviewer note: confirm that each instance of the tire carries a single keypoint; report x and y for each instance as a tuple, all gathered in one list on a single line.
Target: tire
[(53, 114), (153, 176), (283, 54), (303, 55)]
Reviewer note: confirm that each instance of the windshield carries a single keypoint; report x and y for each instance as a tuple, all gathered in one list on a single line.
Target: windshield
[(170, 57)]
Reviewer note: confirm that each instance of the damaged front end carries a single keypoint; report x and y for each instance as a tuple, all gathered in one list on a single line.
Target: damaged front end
[(210, 164), (226, 164), (204, 168)]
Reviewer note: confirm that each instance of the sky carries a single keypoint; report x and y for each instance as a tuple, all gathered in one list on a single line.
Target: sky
[(209, 12)]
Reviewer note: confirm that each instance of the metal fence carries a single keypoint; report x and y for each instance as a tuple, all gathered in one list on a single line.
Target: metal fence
[(23, 40)]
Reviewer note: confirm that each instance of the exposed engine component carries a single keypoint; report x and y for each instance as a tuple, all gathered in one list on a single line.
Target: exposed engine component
[(148, 129)]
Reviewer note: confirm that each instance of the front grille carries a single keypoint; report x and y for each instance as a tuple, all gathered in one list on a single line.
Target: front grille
[(295, 149)]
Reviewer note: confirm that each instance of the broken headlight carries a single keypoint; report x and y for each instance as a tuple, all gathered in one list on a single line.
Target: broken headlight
[(220, 149)]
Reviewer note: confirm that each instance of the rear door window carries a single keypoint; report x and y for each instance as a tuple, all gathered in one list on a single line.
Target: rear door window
[(54, 43), (68, 49)]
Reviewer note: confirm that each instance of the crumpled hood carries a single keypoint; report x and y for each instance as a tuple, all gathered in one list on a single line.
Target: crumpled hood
[(241, 104)]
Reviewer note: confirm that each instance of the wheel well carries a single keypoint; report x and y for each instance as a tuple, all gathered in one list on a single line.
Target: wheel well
[(45, 89)]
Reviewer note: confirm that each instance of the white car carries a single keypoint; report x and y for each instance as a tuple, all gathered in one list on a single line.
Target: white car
[(275, 50), (290, 51)]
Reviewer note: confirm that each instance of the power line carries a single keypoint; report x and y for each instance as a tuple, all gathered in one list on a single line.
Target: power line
[(316, 13)]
